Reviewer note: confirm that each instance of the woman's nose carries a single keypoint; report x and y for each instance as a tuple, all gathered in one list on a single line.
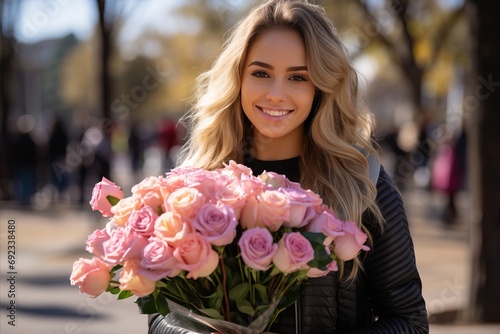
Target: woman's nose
[(276, 92)]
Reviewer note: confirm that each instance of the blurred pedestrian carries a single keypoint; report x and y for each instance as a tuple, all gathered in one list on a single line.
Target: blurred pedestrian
[(24, 157), (167, 137), (448, 172), (58, 143)]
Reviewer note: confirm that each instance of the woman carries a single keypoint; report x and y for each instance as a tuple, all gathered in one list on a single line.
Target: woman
[(282, 96)]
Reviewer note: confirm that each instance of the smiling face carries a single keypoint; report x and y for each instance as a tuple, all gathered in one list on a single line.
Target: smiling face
[(277, 91)]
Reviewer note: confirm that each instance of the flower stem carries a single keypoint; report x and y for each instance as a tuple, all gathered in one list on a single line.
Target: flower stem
[(224, 290)]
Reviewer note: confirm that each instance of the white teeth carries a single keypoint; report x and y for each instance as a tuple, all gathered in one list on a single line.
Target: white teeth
[(275, 113)]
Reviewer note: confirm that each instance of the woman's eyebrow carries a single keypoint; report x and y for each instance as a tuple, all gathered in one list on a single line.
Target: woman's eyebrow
[(288, 69)]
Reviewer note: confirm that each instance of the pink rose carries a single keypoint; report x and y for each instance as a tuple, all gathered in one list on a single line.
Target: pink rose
[(100, 195), (185, 201), (124, 208), (158, 260), (95, 242), (150, 183), (123, 244), (142, 221), (294, 252), (195, 255), (152, 199), (300, 201), (253, 186), (327, 223), (273, 209), (250, 215), (132, 279), (92, 276), (170, 227), (231, 193), (257, 248), (347, 246), (237, 170), (274, 179), (217, 223)]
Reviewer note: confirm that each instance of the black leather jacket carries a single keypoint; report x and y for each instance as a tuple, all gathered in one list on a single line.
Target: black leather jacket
[(386, 297)]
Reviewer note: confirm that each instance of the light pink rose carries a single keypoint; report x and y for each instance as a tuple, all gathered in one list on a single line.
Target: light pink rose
[(208, 187), (143, 220), (348, 246), (196, 256), (185, 201), (249, 217), (300, 200), (123, 244), (257, 248), (294, 252), (327, 223), (192, 177), (274, 179), (150, 183), (132, 279), (273, 209), (232, 194), (95, 242), (152, 199), (237, 170), (124, 208), (170, 227), (91, 275), (253, 186), (101, 191), (217, 223), (158, 260)]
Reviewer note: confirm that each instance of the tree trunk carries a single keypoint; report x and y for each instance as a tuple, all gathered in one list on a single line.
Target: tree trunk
[(105, 55), (7, 62), (484, 105)]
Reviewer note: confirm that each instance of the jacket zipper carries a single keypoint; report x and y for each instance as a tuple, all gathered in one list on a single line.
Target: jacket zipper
[(297, 316)]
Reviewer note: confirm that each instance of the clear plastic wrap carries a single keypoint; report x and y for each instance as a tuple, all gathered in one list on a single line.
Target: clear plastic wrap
[(183, 317)]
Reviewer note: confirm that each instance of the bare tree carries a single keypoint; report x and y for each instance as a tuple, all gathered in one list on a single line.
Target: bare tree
[(402, 46), (484, 152)]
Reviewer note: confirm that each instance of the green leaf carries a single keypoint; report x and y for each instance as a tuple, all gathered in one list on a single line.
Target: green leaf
[(244, 306), (212, 313), (290, 297), (261, 292), (146, 304), (112, 200), (117, 267), (321, 258), (314, 237), (162, 304), (240, 291), (114, 290), (125, 294)]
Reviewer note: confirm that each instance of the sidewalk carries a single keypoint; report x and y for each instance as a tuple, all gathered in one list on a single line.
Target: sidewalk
[(48, 242)]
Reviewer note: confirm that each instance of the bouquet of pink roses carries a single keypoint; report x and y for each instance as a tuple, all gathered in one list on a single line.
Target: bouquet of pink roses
[(222, 246)]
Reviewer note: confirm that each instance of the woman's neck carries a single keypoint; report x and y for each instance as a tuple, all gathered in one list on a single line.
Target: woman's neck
[(266, 148)]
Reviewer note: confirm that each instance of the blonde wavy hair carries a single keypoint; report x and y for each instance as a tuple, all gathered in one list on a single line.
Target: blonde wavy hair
[(337, 133)]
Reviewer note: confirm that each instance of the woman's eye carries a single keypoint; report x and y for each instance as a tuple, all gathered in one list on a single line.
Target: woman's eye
[(260, 74), (297, 77)]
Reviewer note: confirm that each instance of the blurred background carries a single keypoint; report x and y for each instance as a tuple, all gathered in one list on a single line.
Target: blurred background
[(93, 88)]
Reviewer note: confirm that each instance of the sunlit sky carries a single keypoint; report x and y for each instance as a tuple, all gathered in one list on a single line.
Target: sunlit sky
[(47, 19), (44, 19)]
